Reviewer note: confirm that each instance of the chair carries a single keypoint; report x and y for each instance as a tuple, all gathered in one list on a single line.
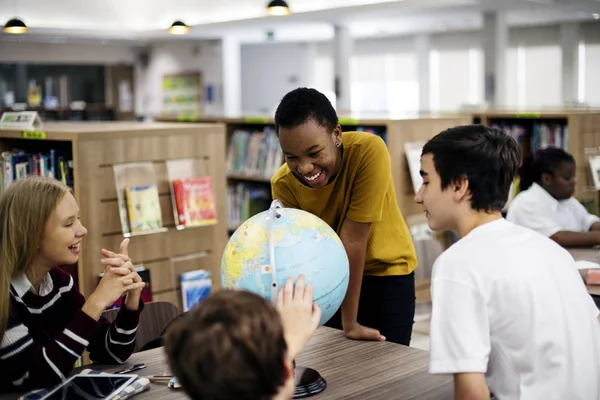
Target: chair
[(157, 315)]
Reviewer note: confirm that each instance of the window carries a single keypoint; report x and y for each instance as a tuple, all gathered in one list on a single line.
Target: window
[(384, 83)]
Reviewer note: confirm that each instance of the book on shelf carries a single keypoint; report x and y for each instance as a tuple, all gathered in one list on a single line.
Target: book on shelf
[(195, 201), (245, 200), (19, 164), (536, 136), (143, 208), (255, 154), (381, 132), (195, 287)]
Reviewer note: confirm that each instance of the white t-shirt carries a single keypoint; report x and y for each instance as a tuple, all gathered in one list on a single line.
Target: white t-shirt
[(536, 209), (510, 303)]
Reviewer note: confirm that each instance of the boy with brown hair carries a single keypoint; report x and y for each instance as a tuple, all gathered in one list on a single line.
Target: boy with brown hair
[(510, 312), (236, 345)]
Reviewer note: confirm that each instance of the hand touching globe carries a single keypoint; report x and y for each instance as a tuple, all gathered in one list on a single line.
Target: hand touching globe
[(282, 242)]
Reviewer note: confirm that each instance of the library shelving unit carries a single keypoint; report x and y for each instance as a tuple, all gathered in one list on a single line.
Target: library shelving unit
[(396, 133), (575, 131), (93, 150)]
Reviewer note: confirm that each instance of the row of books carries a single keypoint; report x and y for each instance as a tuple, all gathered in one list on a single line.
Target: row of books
[(245, 200), (256, 153), (193, 200), (537, 137), (19, 164), (381, 132)]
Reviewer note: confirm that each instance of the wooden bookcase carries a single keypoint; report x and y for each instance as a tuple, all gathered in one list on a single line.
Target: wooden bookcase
[(583, 138), (95, 148)]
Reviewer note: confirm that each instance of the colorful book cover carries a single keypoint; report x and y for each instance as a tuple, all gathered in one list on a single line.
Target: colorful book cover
[(143, 208), (195, 287), (195, 201)]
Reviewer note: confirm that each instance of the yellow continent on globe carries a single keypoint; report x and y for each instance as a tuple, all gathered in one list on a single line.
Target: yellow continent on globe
[(250, 239), (308, 222)]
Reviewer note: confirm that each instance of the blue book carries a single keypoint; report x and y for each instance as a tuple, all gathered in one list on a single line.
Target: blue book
[(195, 287)]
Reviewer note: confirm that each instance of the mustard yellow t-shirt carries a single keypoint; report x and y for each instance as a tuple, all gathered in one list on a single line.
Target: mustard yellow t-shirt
[(362, 191)]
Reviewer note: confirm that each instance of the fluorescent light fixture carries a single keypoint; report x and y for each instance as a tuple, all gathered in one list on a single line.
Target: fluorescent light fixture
[(15, 26), (278, 8), (179, 28)]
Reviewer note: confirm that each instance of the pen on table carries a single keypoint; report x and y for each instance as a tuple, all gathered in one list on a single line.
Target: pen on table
[(160, 378), (128, 370)]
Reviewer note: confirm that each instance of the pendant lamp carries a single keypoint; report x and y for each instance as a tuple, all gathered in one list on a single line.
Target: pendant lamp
[(179, 28), (278, 7), (15, 26)]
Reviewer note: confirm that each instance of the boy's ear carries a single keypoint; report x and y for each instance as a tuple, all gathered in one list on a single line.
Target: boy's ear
[(460, 188)]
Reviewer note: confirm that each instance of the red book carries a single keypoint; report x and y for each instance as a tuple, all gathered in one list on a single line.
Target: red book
[(195, 201)]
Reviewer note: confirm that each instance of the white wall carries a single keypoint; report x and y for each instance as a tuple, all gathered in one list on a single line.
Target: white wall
[(270, 70), (172, 58), (457, 70), (535, 67), (590, 34), (59, 53)]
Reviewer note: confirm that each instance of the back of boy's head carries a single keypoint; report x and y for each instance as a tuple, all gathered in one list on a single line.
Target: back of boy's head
[(487, 157), (541, 162), (303, 104), (230, 346)]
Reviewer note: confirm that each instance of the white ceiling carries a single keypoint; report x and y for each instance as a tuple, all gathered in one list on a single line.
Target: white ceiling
[(144, 20)]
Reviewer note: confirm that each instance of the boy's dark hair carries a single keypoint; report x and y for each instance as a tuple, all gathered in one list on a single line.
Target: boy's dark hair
[(541, 162), (230, 346), (302, 104), (487, 157)]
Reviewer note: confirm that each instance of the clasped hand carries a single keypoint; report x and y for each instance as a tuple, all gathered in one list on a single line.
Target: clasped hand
[(119, 278)]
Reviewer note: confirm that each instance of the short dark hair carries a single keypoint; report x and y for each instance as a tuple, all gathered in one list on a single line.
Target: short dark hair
[(302, 104), (230, 346), (487, 157), (541, 162)]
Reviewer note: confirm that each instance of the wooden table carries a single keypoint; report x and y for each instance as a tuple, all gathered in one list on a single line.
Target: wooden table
[(352, 369), (591, 254)]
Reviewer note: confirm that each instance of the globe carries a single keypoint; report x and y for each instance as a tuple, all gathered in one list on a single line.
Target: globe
[(281, 242)]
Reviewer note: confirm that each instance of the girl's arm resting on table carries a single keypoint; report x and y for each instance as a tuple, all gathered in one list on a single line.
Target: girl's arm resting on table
[(32, 360), (354, 236), (114, 342)]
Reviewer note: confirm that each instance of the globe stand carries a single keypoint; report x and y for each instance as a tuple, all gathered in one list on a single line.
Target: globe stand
[(308, 382)]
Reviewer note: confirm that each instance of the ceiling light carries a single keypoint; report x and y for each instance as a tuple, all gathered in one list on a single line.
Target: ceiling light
[(15, 26), (596, 16), (278, 7), (179, 28)]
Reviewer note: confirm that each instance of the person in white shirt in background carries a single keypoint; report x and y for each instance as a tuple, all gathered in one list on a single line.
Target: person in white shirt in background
[(510, 314), (546, 203)]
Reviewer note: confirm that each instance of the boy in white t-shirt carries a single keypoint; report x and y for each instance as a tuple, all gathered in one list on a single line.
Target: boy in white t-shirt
[(510, 311), (546, 203)]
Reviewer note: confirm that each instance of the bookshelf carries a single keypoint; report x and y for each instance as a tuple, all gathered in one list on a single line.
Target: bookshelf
[(396, 132), (578, 132), (94, 148)]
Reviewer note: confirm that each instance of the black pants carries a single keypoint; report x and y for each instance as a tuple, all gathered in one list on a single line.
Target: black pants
[(387, 303)]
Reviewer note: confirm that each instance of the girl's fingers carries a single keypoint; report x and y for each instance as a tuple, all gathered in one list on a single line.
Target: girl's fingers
[(113, 262), (111, 254), (120, 271), (123, 248)]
